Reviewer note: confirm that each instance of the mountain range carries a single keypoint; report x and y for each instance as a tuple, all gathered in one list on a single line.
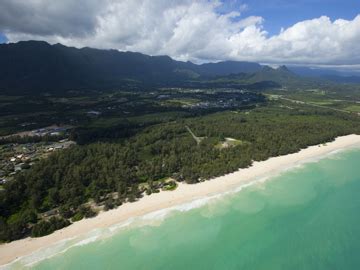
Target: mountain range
[(37, 67)]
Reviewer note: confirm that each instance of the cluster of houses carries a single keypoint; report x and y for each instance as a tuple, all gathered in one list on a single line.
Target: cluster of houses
[(52, 131), (40, 132), (210, 98), (17, 157), (215, 104)]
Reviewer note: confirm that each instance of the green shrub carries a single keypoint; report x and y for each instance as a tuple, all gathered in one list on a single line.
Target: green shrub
[(47, 227), (109, 204), (78, 216)]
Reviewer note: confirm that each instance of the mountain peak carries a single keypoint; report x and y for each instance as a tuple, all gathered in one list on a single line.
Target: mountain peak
[(283, 68), (30, 43), (267, 68), (57, 67)]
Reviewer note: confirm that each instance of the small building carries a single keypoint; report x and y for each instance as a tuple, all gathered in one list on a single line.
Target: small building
[(18, 167), (162, 96), (50, 213), (93, 113)]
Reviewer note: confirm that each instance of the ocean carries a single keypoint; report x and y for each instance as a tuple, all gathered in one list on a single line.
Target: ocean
[(307, 217)]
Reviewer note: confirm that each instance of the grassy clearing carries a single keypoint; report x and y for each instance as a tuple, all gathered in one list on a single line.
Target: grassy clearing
[(229, 142), (182, 101), (323, 103), (353, 108)]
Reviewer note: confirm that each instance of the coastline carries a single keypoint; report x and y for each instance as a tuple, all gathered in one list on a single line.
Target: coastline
[(183, 194)]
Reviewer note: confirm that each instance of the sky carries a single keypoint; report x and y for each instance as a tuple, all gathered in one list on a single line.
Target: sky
[(302, 32)]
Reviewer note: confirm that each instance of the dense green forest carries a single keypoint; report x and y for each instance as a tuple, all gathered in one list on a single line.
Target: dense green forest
[(113, 171), (140, 124)]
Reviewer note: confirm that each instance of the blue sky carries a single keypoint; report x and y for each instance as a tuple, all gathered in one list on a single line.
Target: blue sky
[(196, 30), (2, 38), (279, 14)]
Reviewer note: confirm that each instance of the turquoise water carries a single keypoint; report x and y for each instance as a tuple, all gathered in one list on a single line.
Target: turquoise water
[(305, 218)]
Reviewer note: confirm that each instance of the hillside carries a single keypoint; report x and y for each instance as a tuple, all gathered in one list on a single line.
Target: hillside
[(274, 77), (35, 66)]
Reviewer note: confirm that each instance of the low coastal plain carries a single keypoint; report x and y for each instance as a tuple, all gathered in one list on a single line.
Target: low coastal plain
[(185, 193)]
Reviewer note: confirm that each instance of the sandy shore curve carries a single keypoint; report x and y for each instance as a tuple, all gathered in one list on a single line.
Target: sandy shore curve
[(183, 194)]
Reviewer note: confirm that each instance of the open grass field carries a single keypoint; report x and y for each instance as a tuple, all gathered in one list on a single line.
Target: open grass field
[(353, 108)]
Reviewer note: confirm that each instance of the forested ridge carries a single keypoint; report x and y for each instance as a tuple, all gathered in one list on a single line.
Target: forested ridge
[(68, 179), (38, 67)]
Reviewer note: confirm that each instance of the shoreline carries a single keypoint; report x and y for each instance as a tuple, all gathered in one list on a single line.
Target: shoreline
[(185, 193)]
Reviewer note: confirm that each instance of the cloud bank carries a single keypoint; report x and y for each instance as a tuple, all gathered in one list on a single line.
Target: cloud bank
[(184, 29)]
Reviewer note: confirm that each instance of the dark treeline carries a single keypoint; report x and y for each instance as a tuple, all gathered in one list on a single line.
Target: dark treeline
[(69, 178), (88, 134), (31, 139)]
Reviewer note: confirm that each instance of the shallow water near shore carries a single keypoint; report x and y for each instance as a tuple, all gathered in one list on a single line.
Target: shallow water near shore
[(306, 218)]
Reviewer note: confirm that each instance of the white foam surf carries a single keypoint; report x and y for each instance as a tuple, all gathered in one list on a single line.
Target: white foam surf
[(152, 218)]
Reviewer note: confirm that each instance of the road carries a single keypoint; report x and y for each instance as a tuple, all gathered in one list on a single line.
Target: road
[(197, 139), (315, 105)]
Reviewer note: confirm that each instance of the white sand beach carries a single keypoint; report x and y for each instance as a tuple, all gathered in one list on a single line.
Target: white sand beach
[(183, 194)]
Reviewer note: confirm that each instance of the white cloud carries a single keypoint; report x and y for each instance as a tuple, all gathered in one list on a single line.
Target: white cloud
[(183, 29)]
